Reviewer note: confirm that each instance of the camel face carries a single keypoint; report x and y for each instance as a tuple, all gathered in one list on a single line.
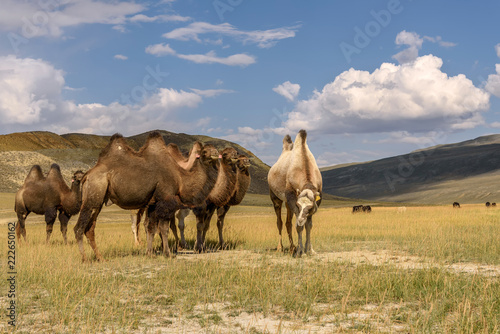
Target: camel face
[(306, 206), (77, 177)]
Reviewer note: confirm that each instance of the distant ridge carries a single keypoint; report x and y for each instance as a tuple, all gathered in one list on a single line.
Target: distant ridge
[(467, 172), (72, 151)]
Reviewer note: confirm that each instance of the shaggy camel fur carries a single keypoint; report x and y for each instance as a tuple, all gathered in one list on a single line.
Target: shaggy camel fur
[(132, 180), (184, 162), (48, 196), (296, 180), (219, 196), (242, 183)]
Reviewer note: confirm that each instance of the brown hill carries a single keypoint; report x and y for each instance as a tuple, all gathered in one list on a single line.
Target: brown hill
[(20, 151)]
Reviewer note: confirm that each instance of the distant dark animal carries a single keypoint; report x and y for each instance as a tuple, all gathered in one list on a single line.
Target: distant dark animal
[(456, 205), (488, 204), (357, 208), (48, 196), (361, 208), (493, 204)]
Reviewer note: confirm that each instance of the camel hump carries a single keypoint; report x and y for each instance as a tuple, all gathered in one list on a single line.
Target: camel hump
[(35, 174), (300, 139), (116, 140), (287, 143), (154, 142), (55, 172)]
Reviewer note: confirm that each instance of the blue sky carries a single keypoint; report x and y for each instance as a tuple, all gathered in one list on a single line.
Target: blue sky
[(367, 79)]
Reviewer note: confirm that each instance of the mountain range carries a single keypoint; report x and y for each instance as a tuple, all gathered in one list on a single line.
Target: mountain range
[(467, 172)]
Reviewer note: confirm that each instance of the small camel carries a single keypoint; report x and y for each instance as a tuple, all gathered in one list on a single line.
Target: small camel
[(134, 179), (296, 180), (48, 196)]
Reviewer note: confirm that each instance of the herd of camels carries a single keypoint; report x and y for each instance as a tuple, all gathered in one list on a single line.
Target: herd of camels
[(159, 182)]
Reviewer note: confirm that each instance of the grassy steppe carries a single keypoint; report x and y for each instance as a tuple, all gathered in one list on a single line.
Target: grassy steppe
[(427, 270)]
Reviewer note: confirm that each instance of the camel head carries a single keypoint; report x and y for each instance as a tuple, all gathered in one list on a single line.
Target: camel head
[(77, 179), (243, 163), (209, 155), (306, 204), (229, 156)]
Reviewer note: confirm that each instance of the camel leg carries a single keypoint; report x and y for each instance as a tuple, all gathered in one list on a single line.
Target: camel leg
[(20, 226), (300, 248), (309, 250), (277, 203), (289, 216), (221, 215), (50, 218), (91, 235), (163, 227), (173, 227), (150, 225), (135, 217), (181, 214), (207, 217), (64, 219)]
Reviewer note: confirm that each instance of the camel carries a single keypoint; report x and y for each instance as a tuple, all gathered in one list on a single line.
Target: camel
[(184, 162), (219, 196), (48, 196), (242, 183), (296, 180), (133, 179)]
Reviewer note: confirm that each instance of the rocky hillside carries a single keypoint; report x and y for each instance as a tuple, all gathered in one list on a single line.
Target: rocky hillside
[(467, 172), (20, 151)]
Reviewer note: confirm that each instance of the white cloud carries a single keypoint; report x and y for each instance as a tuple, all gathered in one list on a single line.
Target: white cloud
[(120, 57), (415, 97), (211, 92), (493, 82), (288, 90), (211, 57), (31, 98), (28, 87), (160, 50), (263, 38), (33, 18), (497, 49), (414, 42), (159, 18)]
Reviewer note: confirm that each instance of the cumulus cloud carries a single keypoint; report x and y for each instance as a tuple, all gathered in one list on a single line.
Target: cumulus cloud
[(211, 57), (120, 57), (493, 82), (288, 90), (497, 49), (415, 97), (414, 42), (263, 38), (31, 97)]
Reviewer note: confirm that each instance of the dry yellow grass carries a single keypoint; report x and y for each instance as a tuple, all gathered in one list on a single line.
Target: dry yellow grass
[(430, 269)]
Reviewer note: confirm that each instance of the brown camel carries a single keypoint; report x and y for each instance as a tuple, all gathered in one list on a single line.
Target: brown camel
[(296, 180), (132, 180), (184, 162), (242, 183), (48, 196), (219, 196)]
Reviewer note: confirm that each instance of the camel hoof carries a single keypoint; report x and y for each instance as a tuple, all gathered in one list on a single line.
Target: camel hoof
[(298, 253)]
